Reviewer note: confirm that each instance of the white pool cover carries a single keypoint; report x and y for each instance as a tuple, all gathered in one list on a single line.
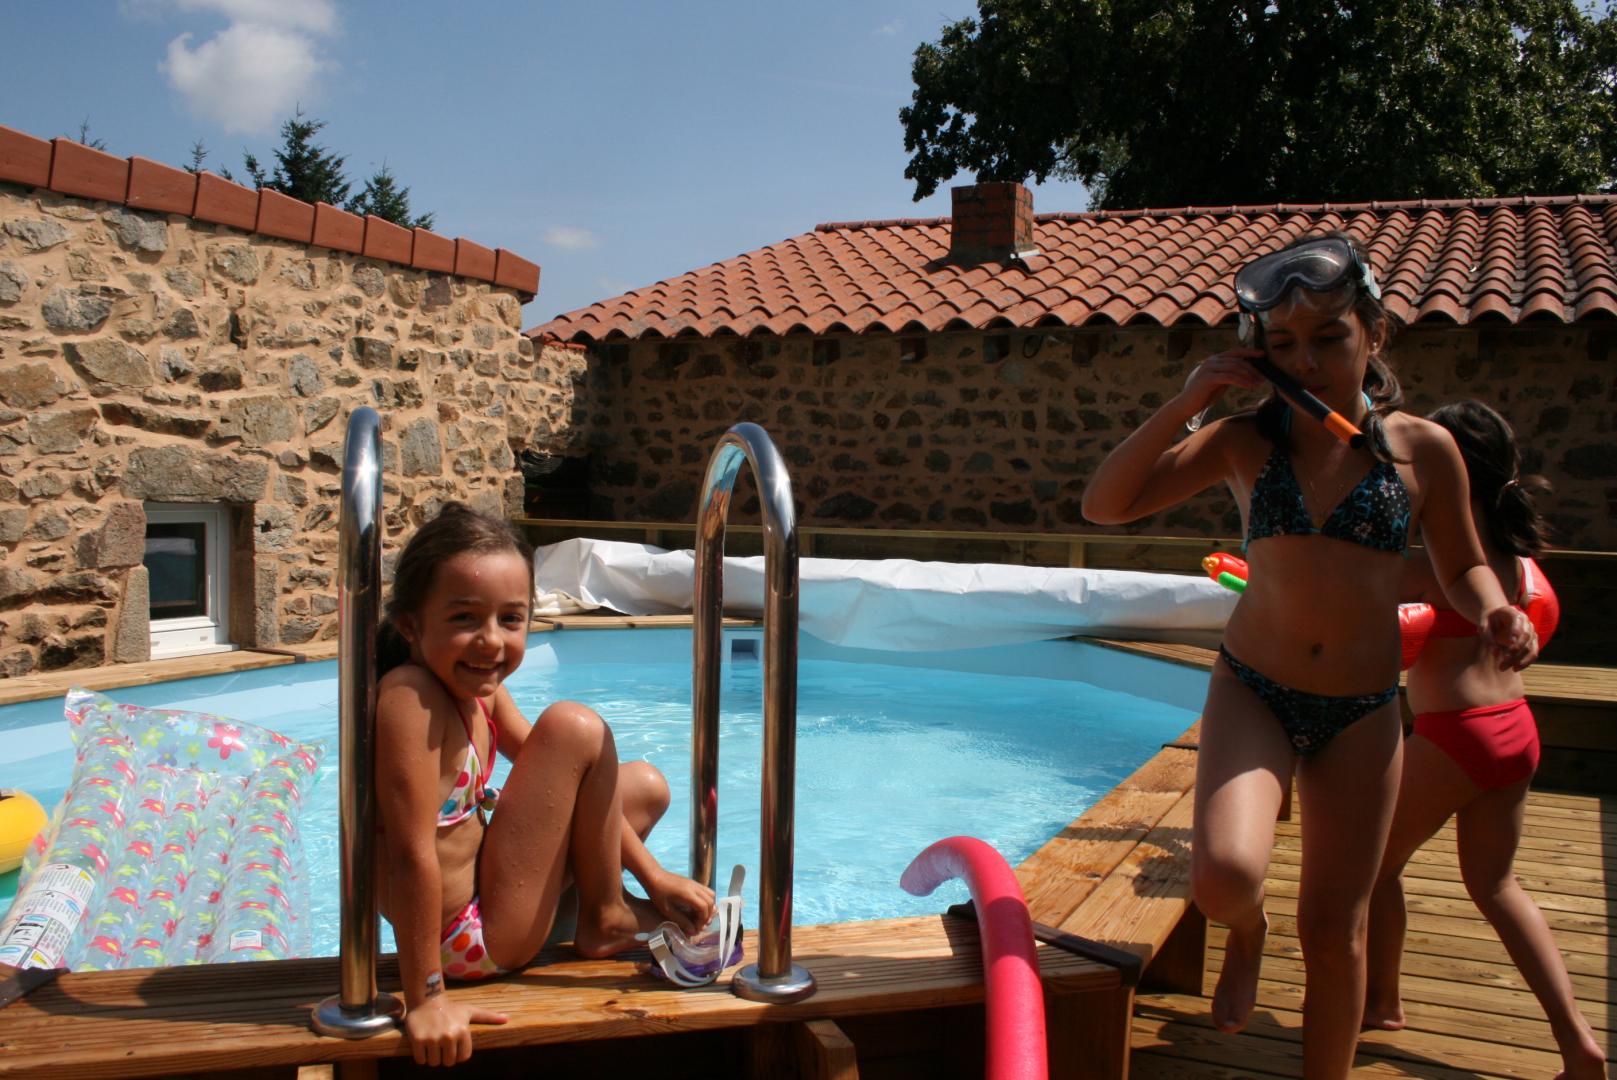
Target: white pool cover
[(895, 604)]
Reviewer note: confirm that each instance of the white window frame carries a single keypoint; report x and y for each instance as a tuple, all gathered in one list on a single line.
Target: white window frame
[(198, 634)]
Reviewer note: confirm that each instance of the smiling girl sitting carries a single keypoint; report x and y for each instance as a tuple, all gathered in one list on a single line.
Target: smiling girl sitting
[(470, 895)]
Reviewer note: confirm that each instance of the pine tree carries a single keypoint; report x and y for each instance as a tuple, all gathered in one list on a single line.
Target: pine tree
[(303, 169), (84, 136), (385, 197), (199, 154)]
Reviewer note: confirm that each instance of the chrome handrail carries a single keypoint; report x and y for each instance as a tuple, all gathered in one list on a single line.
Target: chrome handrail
[(774, 978), (358, 1011)]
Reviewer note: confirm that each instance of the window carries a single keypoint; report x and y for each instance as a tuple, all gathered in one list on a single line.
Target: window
[(188, 577)]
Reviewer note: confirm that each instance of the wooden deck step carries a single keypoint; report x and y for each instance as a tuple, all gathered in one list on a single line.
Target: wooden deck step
[(159, 1022)]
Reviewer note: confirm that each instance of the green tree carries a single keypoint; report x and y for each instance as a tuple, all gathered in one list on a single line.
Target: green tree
[(306, 170), (385, 197), (199, 154), (1180, 102), (84, 136), (303, 169)]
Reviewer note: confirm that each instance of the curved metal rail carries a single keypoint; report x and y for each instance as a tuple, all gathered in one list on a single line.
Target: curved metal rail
[(774, 978), (358, 1011)]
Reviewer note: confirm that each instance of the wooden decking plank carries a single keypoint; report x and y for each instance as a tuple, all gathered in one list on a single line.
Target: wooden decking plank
[(1466, 989), (1454, 959), (1555, 865), (1145, 897), (1555, 908), (1559, 887), (1059, 877), (1449, 918), (1273, 1025)]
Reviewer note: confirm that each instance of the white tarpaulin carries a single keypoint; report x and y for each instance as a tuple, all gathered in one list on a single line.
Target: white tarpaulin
[(895, 603)]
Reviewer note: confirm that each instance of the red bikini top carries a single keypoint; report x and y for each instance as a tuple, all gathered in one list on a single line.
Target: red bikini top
[(1534, 597)]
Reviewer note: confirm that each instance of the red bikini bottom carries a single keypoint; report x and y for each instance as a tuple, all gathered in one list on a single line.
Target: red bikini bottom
[(1496, 745)]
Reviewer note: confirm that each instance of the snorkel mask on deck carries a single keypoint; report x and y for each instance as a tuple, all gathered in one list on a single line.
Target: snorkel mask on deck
[(1315, 274)]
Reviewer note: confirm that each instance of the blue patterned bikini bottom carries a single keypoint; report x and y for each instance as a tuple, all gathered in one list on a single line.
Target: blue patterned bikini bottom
[(1310, 721)]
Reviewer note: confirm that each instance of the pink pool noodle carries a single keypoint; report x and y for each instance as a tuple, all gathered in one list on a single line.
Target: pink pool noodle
[(1015, 997)]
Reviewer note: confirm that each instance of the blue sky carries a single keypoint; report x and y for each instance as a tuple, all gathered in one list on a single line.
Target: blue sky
[(614, 143)]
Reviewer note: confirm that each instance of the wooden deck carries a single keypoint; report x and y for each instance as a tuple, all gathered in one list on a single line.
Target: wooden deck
[(1470, 1015)]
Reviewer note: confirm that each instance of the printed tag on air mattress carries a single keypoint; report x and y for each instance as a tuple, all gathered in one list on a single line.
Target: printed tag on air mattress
[(36, 933)]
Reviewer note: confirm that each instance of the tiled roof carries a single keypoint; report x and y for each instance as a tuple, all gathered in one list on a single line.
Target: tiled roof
[(1547, 258)]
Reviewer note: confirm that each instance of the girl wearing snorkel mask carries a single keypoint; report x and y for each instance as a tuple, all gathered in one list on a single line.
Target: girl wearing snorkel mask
[(1307, 678)]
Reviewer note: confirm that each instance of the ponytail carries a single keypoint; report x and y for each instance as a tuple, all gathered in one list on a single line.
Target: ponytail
[(1505, 499)]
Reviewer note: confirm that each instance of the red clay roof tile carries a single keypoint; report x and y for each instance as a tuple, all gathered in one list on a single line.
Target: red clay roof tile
[(24, 159), (1453, 260), (155, 186), (82, 170)]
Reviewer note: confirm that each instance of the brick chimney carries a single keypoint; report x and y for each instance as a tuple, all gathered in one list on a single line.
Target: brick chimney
[(991, 222)]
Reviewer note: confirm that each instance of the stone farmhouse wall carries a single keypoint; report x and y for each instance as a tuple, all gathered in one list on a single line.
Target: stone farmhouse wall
[(150, 357), (972, 431)]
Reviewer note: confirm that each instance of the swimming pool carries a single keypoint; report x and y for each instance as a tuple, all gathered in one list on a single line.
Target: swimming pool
[(895, 750)]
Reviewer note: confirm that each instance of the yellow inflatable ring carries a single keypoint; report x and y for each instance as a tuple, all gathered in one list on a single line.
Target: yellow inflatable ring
[(21, 818)]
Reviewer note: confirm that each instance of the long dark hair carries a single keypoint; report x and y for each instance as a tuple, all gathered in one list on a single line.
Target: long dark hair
[(1380, 381), (1510, 517), (457, 530)]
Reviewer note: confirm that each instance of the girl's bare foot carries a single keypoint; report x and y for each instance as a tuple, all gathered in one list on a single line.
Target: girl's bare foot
[(1383, 1017), (1237, 992), (1586, 1061), (607, 932)]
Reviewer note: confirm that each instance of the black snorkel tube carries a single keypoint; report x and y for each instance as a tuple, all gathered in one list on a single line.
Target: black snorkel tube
[(1301, 398)]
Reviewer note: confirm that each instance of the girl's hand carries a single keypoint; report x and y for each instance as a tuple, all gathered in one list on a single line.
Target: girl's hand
[(1212, 377), (1510, 634), (683, 902), (439, 1029)]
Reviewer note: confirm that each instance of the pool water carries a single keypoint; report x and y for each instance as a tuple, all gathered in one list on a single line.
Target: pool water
[(1007, 744)]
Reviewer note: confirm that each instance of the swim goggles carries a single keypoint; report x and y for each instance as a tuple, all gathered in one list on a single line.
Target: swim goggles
[(1321, 265), (689, 963)]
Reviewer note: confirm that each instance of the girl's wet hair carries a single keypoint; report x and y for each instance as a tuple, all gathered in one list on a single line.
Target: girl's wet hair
[(1509, 516), (457, 530), (1380, 381)]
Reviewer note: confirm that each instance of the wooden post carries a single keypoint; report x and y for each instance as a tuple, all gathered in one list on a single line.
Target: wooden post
[(1178, 964), (1088, 1034), (824, 1052), (1077, 554), (771, 1051)]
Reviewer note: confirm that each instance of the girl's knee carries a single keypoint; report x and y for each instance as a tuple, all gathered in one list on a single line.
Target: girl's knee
[(645, 787), (1224, 890), (1487, 891), (1335, 938), (569, 723)]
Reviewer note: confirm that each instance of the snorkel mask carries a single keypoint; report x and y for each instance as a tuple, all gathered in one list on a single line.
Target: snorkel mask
[(1321, 275)]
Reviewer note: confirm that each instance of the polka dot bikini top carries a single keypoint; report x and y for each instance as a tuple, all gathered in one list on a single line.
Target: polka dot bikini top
[(471, 791)]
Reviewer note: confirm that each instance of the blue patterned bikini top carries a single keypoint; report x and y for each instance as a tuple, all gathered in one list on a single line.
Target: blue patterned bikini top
[(1375, 514)]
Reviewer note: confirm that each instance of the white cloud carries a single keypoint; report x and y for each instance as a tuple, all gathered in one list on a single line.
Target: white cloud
[(889, 29), (571, 238), (253, 73)]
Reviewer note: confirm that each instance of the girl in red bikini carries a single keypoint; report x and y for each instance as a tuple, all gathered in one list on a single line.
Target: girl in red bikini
[(471, 895), (1475, 747)]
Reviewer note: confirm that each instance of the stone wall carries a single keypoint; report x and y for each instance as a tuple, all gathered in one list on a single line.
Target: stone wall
[(157, 358), (1001, 431)]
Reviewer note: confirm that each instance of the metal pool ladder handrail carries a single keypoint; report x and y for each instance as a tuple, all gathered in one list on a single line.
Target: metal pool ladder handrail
[(358, 1011), (774, 978)]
